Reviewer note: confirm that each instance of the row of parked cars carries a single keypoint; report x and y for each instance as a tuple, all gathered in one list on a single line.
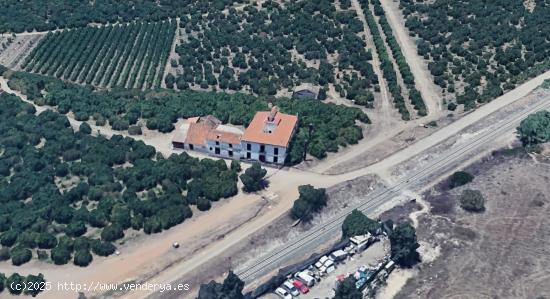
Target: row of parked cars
[(300, 282)]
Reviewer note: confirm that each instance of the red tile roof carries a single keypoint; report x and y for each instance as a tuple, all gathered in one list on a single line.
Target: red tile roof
[(197, 133), (280, 136), (226, 137)]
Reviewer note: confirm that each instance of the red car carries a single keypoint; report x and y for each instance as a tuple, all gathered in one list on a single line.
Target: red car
[(300, 286)]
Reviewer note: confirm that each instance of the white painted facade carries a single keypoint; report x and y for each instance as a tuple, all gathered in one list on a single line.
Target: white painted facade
[(222, 149), (263, 152)]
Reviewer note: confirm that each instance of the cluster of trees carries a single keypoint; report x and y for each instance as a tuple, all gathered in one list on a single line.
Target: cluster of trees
[(253, 178), (488, 46), (347, 290), (231, 288), (42, 16), (310, 201), (357, 223), (403, 245), (54, 196), (535, 129), (472, 200), (251, 49), (414, 95), (386, 64), (118, 55), (17, 284), (335, 125)]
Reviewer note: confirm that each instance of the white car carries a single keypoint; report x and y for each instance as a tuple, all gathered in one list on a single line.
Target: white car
[(291, 288), (283, 293)]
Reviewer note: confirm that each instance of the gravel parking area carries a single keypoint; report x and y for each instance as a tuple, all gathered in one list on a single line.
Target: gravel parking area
[(325, 288)]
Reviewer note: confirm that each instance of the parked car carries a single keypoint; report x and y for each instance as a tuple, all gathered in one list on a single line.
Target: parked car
[(338, 255), (291, 288), (307, 279), (300, 286), (283, 293)]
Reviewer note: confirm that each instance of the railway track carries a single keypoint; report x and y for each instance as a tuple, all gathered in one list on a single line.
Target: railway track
[(309, 241)]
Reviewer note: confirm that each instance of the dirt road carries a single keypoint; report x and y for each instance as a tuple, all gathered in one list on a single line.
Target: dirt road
[(385, 105), (245, 230), (500, 253), (422, 76), (283, 183)]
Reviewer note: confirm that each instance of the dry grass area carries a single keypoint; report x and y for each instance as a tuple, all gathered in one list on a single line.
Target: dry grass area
[(13, 50), (276, 234), (503, 252)]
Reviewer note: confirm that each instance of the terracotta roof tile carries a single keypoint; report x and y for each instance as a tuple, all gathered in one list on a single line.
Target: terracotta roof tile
[(280, 136), (197, 133), (226, 137)]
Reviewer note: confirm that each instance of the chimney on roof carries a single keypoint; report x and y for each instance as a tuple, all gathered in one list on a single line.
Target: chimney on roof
[(272, 114)]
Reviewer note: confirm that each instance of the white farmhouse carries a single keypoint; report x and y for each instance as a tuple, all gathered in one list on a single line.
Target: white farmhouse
[(266, 139), (268, 136)]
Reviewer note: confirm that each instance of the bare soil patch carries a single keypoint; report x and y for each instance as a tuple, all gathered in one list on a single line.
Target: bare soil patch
[(276, 234), (17, 48), (500, 253)]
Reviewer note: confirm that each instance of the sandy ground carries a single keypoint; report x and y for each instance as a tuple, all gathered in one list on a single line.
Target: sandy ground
[(283, 185), (423, 79), (277, 233), (370, 257), (14, 55), (500, 253), (385, 103)]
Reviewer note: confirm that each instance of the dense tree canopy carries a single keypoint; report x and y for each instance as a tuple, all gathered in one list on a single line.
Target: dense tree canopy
[(535, 129), (253, 178), (275, 47), (487, 46), (357, 223), (346, 289), (403, 245), (18, 16), (310, 201), (231, 288), (335, 125), (131, 55), (53, 194)]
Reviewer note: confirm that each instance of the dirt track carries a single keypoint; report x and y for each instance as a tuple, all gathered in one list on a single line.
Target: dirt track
[(500, 253), (283, 184), (422, 76)]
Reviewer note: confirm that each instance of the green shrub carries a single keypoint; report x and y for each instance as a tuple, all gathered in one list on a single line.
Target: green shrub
[(310, 201), (460, 178), (357, 223), (253, 178), (203, 204), (82, 258), (103, 248), (112, 232), (472, 200), (4, 254), (60, 255), (85, 128), (15, 284), (403, 245), (535, 129), (134, 130), (20, 255)]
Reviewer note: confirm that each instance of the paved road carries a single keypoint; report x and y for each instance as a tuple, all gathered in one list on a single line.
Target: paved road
[(316, 237)]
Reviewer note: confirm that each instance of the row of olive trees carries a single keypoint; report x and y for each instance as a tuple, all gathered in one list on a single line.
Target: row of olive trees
[(131, 55), (386, 64), (414, 95)]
